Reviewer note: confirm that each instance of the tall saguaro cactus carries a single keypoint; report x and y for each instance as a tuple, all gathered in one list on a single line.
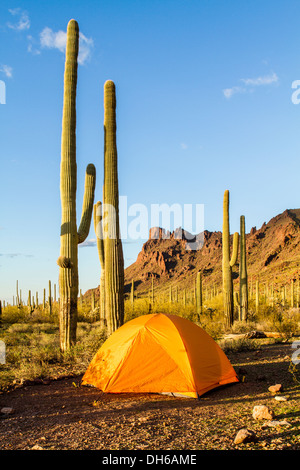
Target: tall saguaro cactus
[(100, 247), (243, 272), (113, 251), (228, 263), (70, 237)]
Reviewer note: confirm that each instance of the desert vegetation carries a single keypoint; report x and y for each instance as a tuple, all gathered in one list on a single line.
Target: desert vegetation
[(32, 337)]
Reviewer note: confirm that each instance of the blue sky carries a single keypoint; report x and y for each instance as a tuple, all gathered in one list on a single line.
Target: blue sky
[(204, 104)]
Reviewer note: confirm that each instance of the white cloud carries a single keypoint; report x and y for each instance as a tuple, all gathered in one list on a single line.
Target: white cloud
[(250, 84), (23, 21), (229, 92), (266, 80), (57, 40), (7, 70), (183, 146), (90, 242), (51, 40), (32, 46)]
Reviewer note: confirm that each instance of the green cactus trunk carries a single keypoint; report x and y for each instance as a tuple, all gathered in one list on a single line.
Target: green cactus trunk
[(199, 295), (18, 298), (257, 296), (113, 251), (132, 295), (292, 294), (184, 297), (228, 263), (50, 299), (243, 273), (69, 238), (100, 247)]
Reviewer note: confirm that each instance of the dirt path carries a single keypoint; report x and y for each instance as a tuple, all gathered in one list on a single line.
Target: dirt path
[(65, 415)]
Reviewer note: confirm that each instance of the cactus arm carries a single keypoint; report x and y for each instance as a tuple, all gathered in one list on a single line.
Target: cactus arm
[(88, 200), (235, 249)]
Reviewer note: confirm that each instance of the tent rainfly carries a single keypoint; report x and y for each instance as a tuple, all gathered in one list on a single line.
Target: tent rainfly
[(159, 353)]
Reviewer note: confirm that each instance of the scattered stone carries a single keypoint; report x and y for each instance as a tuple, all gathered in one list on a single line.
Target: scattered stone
[(262, 412), (6, 410), (244, 435), (274, 423), (37, 447), (280, 398), (275, 388)]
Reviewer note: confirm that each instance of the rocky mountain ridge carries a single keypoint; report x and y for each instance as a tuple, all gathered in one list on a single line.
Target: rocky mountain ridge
[(273, 255)]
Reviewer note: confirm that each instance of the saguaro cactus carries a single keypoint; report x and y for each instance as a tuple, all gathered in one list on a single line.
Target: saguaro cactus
[(132, 294), (50, 299), (100, 247), (113, 251), (199, 294), (70, 237), (228, 263), (257, 296), (243, 272)]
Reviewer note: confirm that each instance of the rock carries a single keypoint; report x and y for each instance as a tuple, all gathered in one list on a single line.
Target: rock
[(274, 423), (280, 398), (275, 388), (7, 410), (244, 435), (262, 412), (37, 447)]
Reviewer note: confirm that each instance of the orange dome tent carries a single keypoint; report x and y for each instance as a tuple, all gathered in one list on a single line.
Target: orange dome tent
[(159, 353)]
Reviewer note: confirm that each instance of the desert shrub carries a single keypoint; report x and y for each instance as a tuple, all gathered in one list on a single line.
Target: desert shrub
[(243, 327), (215, 329), (32, 351), (239, 345)]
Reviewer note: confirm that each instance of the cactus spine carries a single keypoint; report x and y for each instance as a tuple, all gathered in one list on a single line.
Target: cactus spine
[(243, 273), (228, 263), (69, 238), (113, 251)]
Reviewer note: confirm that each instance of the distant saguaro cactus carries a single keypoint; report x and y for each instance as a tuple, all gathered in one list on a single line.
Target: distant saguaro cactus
[(243, 272), (228, 263), (199, 294), (132, 294), (113, 251), (50, 299), (70, 237)]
